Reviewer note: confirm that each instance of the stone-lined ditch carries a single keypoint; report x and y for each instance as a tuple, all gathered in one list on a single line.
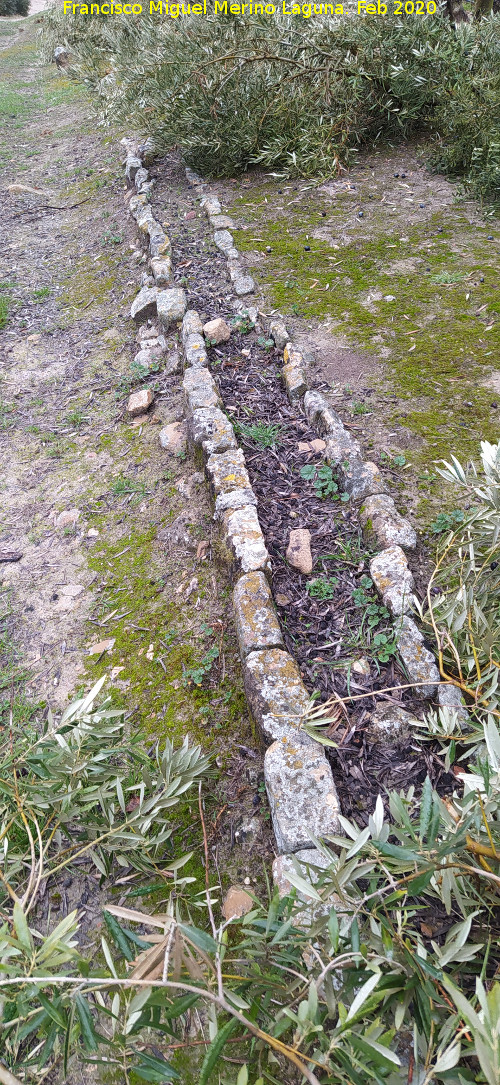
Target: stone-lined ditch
[(334, 611)]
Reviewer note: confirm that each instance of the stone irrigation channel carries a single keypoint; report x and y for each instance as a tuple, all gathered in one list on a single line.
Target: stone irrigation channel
[(323, 597)]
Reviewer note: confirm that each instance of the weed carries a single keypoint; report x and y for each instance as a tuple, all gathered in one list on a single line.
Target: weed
[(381, 644), (399, 460), (75, 418), (41, 293), (124, 485), (447, 277), (4, 311), (446, 521), (242, 323), (196, 675), (266, 344), (111, 239), (264, 435), (359, 408), (323, 481), (323, 587)]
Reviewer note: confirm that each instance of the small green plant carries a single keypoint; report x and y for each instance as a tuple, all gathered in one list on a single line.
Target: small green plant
[(242, 323), (447, 521), (323, 481), (382, 644), (124, 485), (323, 587), (4, 311), (75, 418), (109, 238), (266, 344), (359, 408), (399, 460), (265, 435), (41, 293), (447, 277), (196, 675)]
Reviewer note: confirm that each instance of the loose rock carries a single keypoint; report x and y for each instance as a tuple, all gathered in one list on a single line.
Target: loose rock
[(237, 902), (217, 331), (242, 541), (144, 305), (389, 721), (173, 437), (139, 402), (299, 551), (278, 332), (68, 518)]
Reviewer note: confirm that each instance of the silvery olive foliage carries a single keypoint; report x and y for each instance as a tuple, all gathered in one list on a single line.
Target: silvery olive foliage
[(292, 95), (464, 615)]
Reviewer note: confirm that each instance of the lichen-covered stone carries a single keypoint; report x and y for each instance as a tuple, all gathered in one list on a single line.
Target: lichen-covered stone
[(211, 205), (144, 305), (200, 390), (341, 449), (159, 243), (295, 381), (171, 305), (226, 472), (211, 430), (256, 622), (224, 241), (145, 219), (132, 165), (382, 523), (191, 325), (243, 285), (278, 332), (393, 580), (137, 204), (242, 540), (292, 356), (449, 696), (141, 177), (418, 660), (162, 270), (390, 721), (221, 222), (276, 695), (195, 354), (302, 795), (361, 478), (234, 499)]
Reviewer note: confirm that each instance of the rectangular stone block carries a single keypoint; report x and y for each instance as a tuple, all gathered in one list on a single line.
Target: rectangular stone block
[(295, 381), (235, 499), (276, 695), (171, 306), (393, 580), (191, 325), (383, 524), (361, 478), (301, 793), (211, 205), (242, 540), (141, 177), (200, 390), (195, 355), (418, 660), (341, 449), (210, 430), (227, 472), (162, 270), (256, 621)]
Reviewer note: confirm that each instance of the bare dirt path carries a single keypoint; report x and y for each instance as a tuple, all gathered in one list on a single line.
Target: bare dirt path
[(114, 533)]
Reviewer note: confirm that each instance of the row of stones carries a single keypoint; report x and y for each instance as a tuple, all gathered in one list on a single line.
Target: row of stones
[(299, 782), (275, 691)]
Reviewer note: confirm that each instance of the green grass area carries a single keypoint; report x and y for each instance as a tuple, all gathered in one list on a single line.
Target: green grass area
[(438, 321)]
